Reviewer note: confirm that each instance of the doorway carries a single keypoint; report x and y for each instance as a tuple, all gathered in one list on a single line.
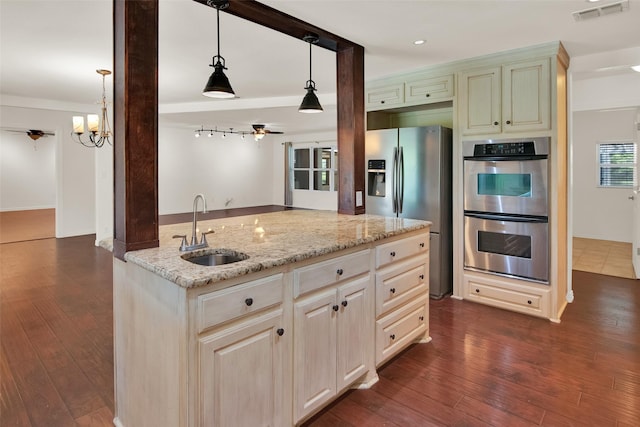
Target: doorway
[(27, 186), (605, 150)]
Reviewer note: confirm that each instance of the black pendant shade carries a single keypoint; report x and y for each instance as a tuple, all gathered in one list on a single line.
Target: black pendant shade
[(310, 102), (218, 85)]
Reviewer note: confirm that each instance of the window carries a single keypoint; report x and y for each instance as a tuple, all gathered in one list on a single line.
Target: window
[(617, 164), (315, 168)]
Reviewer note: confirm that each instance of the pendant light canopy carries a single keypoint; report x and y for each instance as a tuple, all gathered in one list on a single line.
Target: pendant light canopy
[(218, 85), (310, 102)]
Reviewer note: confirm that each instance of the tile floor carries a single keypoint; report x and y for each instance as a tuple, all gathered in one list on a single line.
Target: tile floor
[(603, 257)]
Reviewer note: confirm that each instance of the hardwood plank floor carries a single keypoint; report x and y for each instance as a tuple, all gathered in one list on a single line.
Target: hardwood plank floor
[(484, 367), (18, 226)]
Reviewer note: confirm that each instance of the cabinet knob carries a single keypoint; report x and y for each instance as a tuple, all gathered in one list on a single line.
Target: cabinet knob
[(495, 123), (249, 301), (280, 332), (392, 290), (428, 95), (421, 318), (382, 102), (392, 336), (393, 253), (529, 302), (477, 291), (339, 272), (422, 277), (508, 122), (336, 307), (422, 245), (345, 303)]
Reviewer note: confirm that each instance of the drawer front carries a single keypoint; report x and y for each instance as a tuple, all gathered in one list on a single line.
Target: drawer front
[(316, 276), (398, 285), (400, 328), (510, 296), (426, 90), (385, 96), (400, 249), (482, 291), (231, 303)]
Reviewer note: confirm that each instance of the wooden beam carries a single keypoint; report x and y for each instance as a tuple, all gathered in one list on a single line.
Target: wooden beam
[(350, 93), (135, 125)]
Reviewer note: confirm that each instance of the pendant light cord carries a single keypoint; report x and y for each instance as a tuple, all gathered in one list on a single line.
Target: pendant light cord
[(218, 29), (310, 62)]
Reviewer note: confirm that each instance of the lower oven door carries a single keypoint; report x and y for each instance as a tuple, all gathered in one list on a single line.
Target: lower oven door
[(507, 245)]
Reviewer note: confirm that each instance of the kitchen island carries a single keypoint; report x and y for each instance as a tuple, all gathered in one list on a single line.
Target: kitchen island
[(321, 300)]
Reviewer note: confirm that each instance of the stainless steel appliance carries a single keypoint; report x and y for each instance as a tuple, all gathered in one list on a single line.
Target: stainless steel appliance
[(409, 176), (506, 209)]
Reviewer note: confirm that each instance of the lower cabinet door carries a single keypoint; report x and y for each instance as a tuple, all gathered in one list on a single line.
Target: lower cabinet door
[(355, 331), (314, 354), (242, 374)]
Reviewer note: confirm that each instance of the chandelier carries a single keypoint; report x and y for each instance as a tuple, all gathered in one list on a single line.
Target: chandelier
[(99, 128)]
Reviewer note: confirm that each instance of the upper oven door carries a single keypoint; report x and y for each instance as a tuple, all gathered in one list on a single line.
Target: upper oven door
[(511, 186)]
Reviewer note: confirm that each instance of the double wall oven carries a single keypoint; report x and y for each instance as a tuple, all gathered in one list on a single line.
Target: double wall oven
[(506, 210)]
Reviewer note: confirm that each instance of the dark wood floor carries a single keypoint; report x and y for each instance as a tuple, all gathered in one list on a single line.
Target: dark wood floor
[(484, 366)]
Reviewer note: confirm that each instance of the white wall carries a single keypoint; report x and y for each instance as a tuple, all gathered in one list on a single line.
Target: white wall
[(230, 172), (27, 172), (75, 167), (600, 213)]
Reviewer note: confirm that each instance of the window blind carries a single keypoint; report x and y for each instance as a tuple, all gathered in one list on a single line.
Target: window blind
[(617, 164)]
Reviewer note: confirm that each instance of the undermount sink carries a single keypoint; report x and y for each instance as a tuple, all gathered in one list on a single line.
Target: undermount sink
[(217, 258)]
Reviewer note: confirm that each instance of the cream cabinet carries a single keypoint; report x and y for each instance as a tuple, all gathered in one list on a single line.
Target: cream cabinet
[(381, 97), (333, 340), (402, 295), (426, 90), (242, 371), (532, 298), (511, 98)]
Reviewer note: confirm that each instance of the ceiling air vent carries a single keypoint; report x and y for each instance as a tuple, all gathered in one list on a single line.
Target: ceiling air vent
[(605, 9)]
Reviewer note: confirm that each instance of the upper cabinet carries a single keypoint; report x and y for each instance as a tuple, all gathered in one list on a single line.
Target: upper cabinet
[(511, 98), (428, 90), (384, 96)]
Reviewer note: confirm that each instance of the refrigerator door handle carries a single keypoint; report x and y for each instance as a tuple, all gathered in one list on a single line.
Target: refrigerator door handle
[(401, 181), (395, 180)]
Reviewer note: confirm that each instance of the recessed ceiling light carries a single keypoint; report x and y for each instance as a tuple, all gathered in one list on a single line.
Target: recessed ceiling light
[(592, 1), (418, 42), (636, 68)]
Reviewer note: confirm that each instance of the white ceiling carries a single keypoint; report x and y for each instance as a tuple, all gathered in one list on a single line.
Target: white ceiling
[(50, 49)]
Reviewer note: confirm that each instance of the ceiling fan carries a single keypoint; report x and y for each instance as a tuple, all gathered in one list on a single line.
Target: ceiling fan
[(259, 131), (34, 134)]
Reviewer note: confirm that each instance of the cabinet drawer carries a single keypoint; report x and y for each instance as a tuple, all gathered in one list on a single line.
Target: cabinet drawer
[(397, 330), (316, 276), (520, 298), (399, 284), (228, 304), (400, 249), (426, 90), (385, 96)]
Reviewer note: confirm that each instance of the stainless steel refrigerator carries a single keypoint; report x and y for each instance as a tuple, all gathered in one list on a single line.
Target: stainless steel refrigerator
[(409, 176)]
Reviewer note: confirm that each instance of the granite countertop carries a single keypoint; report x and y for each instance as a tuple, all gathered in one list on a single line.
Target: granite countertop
[(270, 240)]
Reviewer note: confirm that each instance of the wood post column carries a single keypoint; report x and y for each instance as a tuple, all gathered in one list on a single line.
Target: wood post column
[(351, 129), (135, 42)]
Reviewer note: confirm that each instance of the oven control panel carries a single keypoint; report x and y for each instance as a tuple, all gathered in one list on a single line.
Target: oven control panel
[(526, 148)]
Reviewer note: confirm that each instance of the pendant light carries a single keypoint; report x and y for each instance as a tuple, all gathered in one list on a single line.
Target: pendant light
[(218, 85), (310, 102)]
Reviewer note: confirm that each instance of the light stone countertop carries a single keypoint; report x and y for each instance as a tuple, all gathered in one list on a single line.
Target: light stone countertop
[(270, 240)]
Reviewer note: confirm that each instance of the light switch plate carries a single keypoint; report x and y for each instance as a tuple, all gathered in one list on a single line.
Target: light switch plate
[(358, 198)]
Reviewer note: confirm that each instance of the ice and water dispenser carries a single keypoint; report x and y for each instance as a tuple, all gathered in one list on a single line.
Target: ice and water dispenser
[(376, 176)]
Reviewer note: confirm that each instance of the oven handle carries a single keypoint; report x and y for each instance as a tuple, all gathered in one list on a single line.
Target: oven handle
[(505, 217), (505, 158)]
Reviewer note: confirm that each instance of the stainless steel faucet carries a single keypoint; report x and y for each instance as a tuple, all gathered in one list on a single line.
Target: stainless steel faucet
[(194, 228)]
